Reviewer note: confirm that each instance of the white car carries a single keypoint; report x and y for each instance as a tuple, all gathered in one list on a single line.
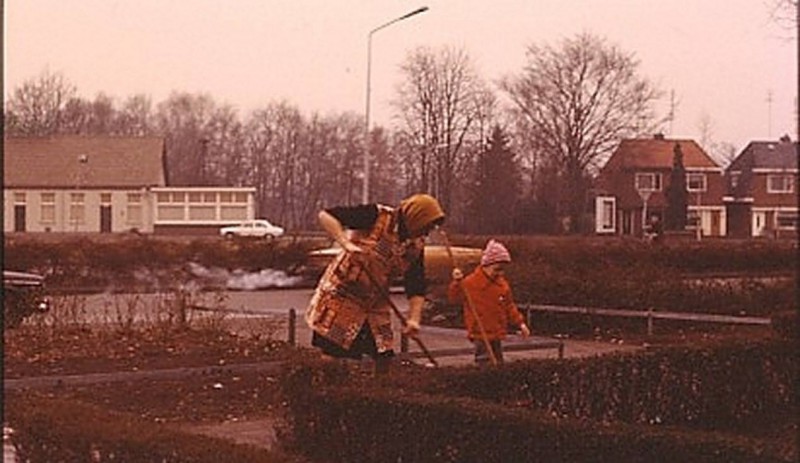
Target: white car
[(252, 229)]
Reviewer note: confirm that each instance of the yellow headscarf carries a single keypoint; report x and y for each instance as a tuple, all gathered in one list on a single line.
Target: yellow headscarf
[(420, 211)]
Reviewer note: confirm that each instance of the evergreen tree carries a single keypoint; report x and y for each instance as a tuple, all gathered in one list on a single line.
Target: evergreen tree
[(496, 187), (677, 197)]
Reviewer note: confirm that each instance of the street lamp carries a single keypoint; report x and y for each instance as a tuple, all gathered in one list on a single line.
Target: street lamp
[(365, 193)]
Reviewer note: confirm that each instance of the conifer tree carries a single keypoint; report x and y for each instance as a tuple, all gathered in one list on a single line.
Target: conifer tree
[(496, 187), (677, 197)]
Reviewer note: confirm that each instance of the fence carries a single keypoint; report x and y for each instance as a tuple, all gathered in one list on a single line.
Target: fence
[(650, 315)]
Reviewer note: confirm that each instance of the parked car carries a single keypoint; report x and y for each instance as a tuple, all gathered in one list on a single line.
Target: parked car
[(252, 228), (23, 295)]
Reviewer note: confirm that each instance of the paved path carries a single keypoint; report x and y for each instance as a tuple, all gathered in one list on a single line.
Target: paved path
[(260, 432)]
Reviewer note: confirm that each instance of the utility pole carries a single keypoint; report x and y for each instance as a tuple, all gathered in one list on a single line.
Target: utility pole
[(671, 109), (769, 114)]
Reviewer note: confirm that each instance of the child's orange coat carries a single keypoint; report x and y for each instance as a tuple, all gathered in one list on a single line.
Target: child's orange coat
[(491, 299)]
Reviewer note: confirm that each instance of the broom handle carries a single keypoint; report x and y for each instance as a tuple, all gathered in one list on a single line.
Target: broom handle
[(468, 301), (403, 321)]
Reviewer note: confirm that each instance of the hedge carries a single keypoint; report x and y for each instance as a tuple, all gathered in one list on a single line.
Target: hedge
[(703, 404), (48, 429)]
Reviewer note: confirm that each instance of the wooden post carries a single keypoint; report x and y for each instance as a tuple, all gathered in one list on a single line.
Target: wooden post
[(528, 315), (403, 343), (292, 326), (649, 321)]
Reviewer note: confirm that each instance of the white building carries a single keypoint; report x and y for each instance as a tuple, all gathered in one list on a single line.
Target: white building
[(108, 185)]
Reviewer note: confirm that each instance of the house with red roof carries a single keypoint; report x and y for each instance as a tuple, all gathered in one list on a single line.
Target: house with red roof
[(631, 187), (108, 184), (762, 190)]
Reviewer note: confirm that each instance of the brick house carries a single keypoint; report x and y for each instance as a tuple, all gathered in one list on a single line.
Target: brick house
[(108, 185), (762, 190), (631, 187)]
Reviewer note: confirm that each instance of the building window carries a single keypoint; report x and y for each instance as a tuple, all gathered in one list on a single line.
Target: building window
[(692, 219), (134, 209), (780, 183), (48, 208), (648, 181), (787, 220), (202, 213), (19, 198), (105, 198), (238, 213), (76, 207), (170, 212), (605, 210), (164, 197), (735, 179), (696, 182)]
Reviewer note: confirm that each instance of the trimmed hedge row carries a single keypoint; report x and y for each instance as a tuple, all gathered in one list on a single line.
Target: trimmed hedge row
[(354, 426), (48, 429), (677, 404), (135, 260), (584, 272), (693, 257), (724, 387)]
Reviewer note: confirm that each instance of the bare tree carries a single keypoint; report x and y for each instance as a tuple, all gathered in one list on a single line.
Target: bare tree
[(224, 148), (722, 152), (440, 102), (98, 117), (580, 100), (36, 107), (184, 119), (136, 117), (273, 134), (786, 13)]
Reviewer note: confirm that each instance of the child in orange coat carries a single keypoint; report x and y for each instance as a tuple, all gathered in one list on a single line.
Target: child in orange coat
[(489, 308)]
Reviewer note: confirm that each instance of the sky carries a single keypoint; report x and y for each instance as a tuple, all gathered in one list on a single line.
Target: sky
[(727, 62)]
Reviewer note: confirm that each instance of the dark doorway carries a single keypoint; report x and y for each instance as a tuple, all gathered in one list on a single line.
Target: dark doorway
[(19, 218), (627, 224), (105, 219)]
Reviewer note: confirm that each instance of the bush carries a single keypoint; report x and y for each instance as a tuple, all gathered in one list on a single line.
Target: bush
[(679, 404), (787, 324), (49, 429), (133, 261)]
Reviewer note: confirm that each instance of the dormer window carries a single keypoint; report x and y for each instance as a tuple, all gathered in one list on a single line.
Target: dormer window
[(696, 182), (780, 183), (648, 181)]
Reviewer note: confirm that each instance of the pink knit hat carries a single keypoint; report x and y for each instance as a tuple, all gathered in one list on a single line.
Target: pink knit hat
[(495, 253)]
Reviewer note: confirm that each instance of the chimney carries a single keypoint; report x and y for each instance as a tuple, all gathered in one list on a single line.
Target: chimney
[(658, 136)]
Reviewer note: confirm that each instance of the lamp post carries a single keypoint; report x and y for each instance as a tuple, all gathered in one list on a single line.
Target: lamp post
[(365, 192)]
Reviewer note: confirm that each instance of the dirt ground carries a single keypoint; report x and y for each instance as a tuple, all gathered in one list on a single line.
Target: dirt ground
[(210, 397)]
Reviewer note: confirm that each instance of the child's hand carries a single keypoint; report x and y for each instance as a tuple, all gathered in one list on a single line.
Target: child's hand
[(525, 330), (457, 274)]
